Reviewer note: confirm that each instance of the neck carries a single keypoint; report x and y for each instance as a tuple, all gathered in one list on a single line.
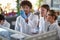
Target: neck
[(27, 13)]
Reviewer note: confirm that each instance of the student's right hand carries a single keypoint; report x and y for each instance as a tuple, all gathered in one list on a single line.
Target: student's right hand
[(26, 20)]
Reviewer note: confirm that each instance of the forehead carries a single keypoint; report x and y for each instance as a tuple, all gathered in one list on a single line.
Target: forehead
[(42, 8), (25, 6)]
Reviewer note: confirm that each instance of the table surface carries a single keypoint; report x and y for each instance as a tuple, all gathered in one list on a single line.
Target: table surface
[(17, 36)]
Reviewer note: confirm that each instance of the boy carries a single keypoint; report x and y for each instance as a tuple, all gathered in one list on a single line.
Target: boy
[(28, 23)]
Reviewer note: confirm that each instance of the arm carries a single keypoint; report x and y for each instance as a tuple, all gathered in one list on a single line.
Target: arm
[(6, 24), (17, 27), (33, 22)]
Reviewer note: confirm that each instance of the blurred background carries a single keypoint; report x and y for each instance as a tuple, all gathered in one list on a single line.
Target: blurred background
[(12, 7)]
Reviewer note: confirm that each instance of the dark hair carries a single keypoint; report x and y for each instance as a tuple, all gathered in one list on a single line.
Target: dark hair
[(28, 3), (1, 9), (46, 7), (2, 17), (52, 13)]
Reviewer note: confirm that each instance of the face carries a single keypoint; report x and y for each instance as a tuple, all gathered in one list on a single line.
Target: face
[(26, 9), (43, 11), (49, 18), (1, 22)]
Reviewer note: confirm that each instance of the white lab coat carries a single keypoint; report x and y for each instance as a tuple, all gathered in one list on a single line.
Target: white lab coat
[(33, 22), (3, 31), (41, 24), (6, 24), (22, 26), (51, 27), (58, 31)]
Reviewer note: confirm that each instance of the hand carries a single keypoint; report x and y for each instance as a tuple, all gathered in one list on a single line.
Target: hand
[(26, 20)]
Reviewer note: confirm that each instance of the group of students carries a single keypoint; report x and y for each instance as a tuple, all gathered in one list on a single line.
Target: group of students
[(30, 23)]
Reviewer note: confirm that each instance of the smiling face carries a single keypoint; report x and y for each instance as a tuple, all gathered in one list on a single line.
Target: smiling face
[(50, 16), (43, 11), (26, 9), (27, 6)]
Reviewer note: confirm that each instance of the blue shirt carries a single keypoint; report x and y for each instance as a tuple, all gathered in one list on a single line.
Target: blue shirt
[(22, 13)]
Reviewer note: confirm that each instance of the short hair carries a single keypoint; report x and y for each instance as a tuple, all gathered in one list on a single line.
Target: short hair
[(28, 3), (2, 17), (52, 13), (46, 7)]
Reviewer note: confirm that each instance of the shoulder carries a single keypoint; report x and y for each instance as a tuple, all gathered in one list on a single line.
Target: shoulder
[(55, 25), (5, 22), (20, 17)]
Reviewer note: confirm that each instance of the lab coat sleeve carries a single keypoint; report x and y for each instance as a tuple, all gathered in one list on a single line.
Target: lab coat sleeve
[(4, 33), (58, 31), (6, 24), (20, 24), (17, 27), (33, 21)]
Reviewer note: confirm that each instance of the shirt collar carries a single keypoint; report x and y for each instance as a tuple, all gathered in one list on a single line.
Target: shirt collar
[(28, 15)]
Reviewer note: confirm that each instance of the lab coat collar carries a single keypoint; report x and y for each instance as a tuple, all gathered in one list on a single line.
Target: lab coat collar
[(28, 15)]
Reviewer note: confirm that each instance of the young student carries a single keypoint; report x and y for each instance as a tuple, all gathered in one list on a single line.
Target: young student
[(44, 10), (28, 23), (51, 18), (3, 22)]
